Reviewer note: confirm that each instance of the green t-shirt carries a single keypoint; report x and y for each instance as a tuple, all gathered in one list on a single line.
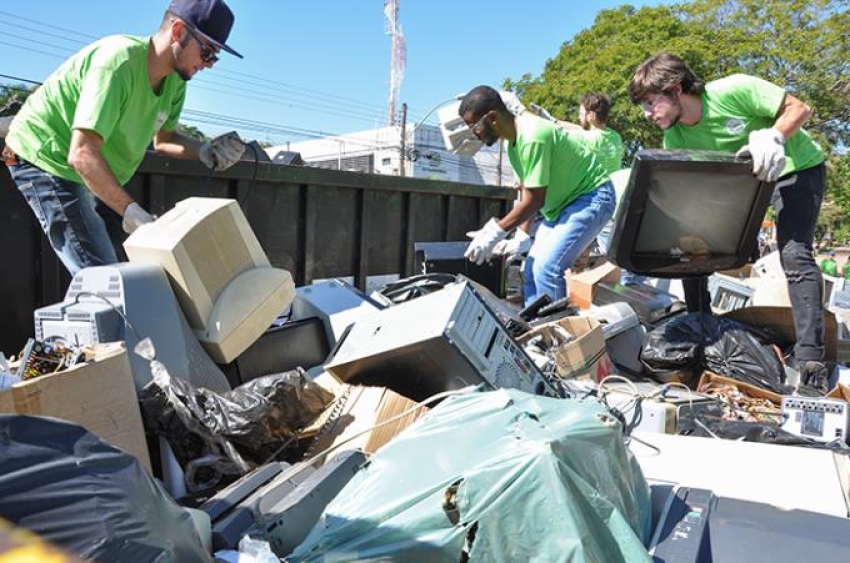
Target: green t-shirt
[(546, 156), (734, 106), (829, 267), (606, 144), (103, 88), (846, 271)]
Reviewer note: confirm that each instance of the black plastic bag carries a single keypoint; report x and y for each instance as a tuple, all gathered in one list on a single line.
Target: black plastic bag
[(246, 426), (75, 490), (700, 341)]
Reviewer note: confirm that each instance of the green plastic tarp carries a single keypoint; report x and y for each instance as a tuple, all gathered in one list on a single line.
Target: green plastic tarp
[(495, 476)]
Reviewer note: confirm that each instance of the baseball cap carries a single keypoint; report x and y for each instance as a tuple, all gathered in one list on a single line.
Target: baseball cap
[(211, 19)]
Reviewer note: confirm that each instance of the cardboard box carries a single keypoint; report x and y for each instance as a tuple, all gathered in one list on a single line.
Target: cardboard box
[(780, 320), (746, 388), (840, 391), (365, 411), (99, 395), (581, 286), (585, 357)]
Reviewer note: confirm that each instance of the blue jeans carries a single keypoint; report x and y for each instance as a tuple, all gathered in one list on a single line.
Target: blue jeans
[(66, 212), (558, 243), (603, 240)]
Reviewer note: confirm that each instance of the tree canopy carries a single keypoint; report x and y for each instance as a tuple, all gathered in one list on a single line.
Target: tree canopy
[(801, 45)]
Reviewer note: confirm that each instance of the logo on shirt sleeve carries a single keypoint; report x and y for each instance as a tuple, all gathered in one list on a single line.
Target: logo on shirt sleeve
[(161, 118), (735, 126)]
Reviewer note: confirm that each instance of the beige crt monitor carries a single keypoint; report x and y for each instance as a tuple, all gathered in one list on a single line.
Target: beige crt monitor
[(223, 281)]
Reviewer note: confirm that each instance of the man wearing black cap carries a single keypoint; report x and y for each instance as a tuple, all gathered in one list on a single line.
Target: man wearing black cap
[(81, 136)]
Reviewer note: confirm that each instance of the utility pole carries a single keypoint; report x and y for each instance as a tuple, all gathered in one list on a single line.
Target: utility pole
[(403, 144)]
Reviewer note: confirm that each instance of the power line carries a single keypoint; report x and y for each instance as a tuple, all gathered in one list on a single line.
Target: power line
[(18, 79), (18, 16)]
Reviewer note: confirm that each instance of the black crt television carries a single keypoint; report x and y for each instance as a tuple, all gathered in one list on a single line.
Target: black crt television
[(688, 214)]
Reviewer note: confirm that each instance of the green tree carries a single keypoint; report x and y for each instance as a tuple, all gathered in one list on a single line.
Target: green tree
[(800, 44), (192, 132), (12, 96)]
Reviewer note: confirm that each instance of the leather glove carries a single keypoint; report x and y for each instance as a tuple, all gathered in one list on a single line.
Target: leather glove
[(135, 217), (222, 152), (483, 241), (767, 149), (514, 247)]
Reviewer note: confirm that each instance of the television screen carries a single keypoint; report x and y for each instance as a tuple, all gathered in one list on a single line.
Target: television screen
[(688, 213)]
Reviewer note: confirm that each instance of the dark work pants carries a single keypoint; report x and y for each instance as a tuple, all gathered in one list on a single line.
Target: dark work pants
[(796, 199)]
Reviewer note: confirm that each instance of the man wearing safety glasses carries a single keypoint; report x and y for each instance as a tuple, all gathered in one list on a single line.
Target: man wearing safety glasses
[(560, 178), (81, 136), (757, 119)]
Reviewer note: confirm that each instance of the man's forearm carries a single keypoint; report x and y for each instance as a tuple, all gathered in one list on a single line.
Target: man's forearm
[(792, 116), (177, 145), (97, 176), (528, 206)]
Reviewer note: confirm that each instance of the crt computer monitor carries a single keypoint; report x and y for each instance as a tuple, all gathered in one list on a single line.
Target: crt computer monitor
[(688, 213), (220, 275)]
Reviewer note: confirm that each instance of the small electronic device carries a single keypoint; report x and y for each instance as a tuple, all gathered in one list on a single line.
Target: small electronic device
[(650, 410), (651, 305), (821, 419), (688, 213), (442, 341), (91, 313)]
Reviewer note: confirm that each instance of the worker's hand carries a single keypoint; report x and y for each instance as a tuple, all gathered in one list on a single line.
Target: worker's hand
[(515, 247), (135, 217), (222, 152), (767, 149), (484, 241)]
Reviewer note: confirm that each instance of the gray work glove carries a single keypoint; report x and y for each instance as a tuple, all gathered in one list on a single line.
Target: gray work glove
[(222, 152), (135, 217), (484, 241), (767, 149)]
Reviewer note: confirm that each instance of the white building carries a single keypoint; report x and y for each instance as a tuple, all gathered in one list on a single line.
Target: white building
[(378, 151)]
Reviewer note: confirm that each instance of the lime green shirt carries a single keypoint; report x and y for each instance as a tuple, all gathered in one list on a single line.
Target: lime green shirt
[(104, 88), (829, 267), (606, 144), (846, 270), (734, 106), (546, 156)]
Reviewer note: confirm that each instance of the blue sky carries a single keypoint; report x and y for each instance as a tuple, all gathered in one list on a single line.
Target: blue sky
[(317, 65)]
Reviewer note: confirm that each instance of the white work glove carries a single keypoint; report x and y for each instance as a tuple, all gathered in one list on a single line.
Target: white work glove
[(515, 247), (767, 149), (222, 152), (135, 217), (483, 241)]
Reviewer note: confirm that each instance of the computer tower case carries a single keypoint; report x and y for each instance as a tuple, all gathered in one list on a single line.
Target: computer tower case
[(443, 341)]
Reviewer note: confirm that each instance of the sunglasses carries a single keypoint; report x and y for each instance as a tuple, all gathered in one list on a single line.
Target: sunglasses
[(208, 54)]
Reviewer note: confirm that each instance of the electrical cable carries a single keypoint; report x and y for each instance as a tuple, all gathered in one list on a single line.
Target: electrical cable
[(114, 308)]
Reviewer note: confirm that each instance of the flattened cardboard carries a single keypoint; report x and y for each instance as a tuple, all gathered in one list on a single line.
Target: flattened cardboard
[(99, 395), (367, 410), (585, 357)]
